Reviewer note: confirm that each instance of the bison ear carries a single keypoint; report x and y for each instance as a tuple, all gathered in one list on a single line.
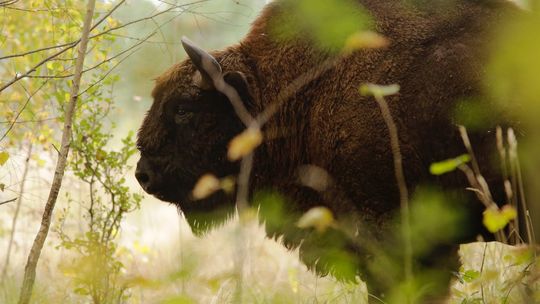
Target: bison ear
[(205, 63), (239, 82)]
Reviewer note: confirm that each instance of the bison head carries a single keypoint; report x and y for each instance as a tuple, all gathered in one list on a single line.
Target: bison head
[(185, 134)]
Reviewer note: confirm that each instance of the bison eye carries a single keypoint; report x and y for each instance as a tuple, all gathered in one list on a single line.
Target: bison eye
[(182, 116)]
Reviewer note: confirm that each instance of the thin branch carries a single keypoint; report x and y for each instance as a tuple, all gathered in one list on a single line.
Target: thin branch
[(98, 64), (107, 14), (17, 210), (145, 39), (75, 43), (35, 252), (28, 121), (39, 50), (402, 184), (295, 86), (139, 39), (108, 72), (35, 67), (468, 146), (97, 23), (169, 10), (8, 201), (514, 159), (22, 109), (8, 2)]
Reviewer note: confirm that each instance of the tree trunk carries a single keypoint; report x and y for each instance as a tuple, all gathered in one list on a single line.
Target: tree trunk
[(33, 257)]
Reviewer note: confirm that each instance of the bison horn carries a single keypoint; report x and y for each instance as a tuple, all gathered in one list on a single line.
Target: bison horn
[(204, 62)]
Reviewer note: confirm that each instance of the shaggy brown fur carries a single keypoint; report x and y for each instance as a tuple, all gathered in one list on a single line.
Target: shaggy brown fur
[(437, 58)]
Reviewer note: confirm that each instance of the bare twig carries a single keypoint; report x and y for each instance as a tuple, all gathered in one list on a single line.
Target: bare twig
[(35, 67), (75, 42), (22, 109), (514, 160), (477, 181), (28, 121), (242, 193), (96, 24), (100, 63), (108, 72), (8, 2), (294, 86), (468, 146), (8, 201), (33, 257), (402, 184), (139, 39), (514, 235), (71, 45)]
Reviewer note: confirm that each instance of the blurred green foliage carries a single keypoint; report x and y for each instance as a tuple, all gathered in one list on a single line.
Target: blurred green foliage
[(327, 24), (513, 75), (448, 165), (512, 79), (435, 220)]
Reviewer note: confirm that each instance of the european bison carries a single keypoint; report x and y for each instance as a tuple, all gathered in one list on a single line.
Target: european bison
[(437, 58)]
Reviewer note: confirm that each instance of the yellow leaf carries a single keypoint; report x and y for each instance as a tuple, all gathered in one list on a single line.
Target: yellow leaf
[(112, 22), (509, 212), (495, 219), (244, 143), (227, 184), (369, 89), (41, 162), (319, 218), (144, 249), (365, 40), (206, 185), (4, 156)]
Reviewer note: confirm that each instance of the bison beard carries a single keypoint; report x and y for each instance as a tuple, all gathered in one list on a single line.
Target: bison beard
[(437, 58)]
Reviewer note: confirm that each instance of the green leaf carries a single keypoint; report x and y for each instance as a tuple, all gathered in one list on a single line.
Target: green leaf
[(182, 299), (470, 275), (369, 89), (495, 219), (81, 291), (448, 165), (50, 65), (4, 156)]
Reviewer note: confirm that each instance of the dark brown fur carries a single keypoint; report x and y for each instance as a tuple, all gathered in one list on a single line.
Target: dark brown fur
[(436, 58)]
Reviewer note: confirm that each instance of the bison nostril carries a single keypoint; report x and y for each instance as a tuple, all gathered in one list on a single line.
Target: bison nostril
[(142, 177)]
